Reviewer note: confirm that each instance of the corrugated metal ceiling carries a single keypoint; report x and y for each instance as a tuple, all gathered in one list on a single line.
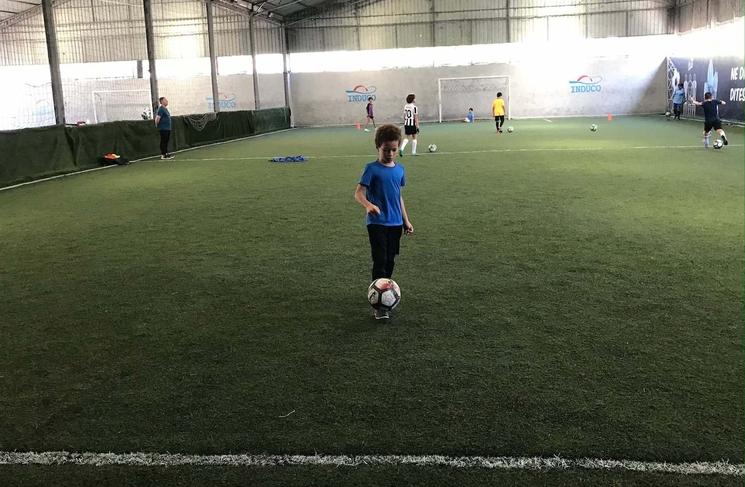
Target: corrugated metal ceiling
[(10, 8)]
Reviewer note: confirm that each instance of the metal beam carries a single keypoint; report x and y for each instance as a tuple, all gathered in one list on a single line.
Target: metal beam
[(50, 32), (507, 20), (255, 76), (149, 40), (213, 56), (286, 74)]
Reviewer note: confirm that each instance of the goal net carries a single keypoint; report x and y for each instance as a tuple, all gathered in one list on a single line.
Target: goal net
[(110, 106), (457, 95)]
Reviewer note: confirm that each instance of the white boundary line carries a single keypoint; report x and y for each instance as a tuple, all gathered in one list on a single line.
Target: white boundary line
[(246, 460), (138, 160), (484, 151)]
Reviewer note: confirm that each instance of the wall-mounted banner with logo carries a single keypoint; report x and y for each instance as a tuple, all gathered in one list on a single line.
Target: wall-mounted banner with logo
[(723, 77), (361, 93), (586, 84), (226, 101)]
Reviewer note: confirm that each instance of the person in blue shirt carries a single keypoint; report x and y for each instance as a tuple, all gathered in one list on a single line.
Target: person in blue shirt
[(379, 193), (711, 117), (469, 116), (679, 96), (163, 123)]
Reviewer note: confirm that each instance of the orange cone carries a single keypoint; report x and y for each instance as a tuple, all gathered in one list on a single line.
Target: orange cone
[(357, 126), (610, 117)]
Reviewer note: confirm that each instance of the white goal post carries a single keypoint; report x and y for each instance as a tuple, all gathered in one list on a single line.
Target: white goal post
[(113, 105), (456, 95)]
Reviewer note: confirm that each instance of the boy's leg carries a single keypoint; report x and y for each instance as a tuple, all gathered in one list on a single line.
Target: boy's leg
[(393, 244), (496, 121), (403, 144), (413, 145), (378, 249), (720, 131)]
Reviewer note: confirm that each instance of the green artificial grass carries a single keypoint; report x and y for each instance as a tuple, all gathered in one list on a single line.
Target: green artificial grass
[(581, 302)]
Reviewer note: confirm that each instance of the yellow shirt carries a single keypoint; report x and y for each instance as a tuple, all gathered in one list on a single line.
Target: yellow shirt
[(497, 107)]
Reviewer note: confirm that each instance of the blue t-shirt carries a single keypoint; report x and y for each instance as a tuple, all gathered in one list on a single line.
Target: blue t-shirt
[(679, 96), (469, 116), (711, 110), (165, 118), (384, 185)]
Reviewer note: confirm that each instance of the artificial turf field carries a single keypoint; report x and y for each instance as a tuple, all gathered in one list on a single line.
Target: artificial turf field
[(565, 293)]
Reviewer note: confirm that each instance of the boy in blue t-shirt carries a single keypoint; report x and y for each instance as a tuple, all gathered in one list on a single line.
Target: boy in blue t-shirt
[(678, 99), (379, 192)]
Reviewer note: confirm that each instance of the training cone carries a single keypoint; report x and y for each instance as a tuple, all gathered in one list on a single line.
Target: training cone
[(357, 126), (610, 117)]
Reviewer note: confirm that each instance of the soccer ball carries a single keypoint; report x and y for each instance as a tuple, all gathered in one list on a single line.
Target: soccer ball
[(718, 144), (432, 148), (384, 294), (510, 129), (593, 128), (667, 114)]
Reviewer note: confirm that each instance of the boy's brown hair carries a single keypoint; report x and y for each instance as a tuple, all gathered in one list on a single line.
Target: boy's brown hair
[(387, 133), (410, 98)]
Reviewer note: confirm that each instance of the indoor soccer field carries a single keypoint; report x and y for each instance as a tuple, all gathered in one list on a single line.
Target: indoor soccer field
[(566, 295)]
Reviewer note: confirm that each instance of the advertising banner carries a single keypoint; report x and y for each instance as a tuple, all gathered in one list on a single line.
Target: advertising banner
[(723, 77)]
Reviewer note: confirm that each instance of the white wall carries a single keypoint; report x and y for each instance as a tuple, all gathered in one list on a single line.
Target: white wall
[(629, 85)]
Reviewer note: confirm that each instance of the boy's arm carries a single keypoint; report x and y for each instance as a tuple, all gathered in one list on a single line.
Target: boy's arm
[(697, 103), (408, 227), (359, 195)]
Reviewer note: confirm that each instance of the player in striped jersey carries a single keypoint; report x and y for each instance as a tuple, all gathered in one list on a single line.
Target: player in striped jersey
[(411, 124)]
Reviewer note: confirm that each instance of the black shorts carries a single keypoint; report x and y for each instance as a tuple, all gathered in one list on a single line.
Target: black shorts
[(411, 130), (712, 124)]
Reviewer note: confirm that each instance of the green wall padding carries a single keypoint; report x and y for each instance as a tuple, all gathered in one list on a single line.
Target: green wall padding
[(35, 153)]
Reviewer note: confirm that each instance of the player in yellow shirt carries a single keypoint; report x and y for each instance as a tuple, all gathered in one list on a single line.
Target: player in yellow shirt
[(497, 109)]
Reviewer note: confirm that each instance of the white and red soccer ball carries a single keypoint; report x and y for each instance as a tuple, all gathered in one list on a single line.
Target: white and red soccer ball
[(384, 294)]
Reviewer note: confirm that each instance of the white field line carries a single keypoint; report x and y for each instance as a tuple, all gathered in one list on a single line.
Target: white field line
[(547, 120), (245, 460), (137, 160), (484, 151)]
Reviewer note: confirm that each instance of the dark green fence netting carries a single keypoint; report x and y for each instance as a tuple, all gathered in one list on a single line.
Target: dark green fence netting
[(35, 153)]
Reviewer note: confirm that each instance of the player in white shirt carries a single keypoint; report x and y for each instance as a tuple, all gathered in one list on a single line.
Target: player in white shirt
[(411, 124)]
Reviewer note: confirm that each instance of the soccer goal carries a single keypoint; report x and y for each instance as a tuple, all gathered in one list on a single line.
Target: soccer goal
[(456, 95), (110, 106)]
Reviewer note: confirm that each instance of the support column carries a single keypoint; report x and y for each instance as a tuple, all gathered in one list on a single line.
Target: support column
[(286, 73), (50, 31), (213, 56), (252, 34), (434, 27), (150, 42), (507, 19)]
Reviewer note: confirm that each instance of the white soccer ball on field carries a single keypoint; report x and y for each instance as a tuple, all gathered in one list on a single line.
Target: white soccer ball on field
[(593, 128), (384, 294), (432, 148), (718, 144), (510, 129), (667, 114)]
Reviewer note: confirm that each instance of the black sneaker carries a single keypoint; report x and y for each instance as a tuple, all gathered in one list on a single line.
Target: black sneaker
[(724, 139), (380, 314)]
